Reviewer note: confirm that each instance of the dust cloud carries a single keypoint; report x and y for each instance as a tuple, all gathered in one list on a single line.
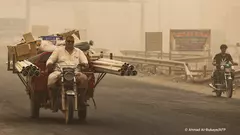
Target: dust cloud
[(121, 25)]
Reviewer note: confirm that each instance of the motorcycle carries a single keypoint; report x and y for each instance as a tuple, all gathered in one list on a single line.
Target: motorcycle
[(67, 95), (224, 80), (64, 97)]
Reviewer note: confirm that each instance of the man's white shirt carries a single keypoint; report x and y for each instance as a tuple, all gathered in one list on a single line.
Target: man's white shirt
[(62, 57)]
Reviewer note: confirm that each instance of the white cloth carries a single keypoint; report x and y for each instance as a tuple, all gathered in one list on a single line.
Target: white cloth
[(47, 46), (60, 43)]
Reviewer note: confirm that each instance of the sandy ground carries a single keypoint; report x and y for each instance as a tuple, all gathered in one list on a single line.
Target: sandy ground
[(126, 106), (186, 86)]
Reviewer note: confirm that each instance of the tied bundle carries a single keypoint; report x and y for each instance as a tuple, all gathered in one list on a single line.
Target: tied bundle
[(114, 67), (27, 68), (94, 58)]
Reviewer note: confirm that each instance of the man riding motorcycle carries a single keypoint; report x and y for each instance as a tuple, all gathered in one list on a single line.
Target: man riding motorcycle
[(67, 55), (219, 58)]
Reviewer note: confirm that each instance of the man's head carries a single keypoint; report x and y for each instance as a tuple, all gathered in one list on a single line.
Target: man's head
[(223, 48), (69, 42)]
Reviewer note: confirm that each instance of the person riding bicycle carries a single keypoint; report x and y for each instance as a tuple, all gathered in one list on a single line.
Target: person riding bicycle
[(219, 59)]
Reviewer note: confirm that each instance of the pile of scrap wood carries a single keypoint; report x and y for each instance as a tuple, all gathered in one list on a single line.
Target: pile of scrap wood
[(24, 49), (27, 49), (19, 53), (67, 33), (114, 67)]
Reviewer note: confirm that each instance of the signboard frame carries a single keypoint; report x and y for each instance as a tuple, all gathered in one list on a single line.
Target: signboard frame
[(198, 34), (11, 27), (154, 41), (195, 33)]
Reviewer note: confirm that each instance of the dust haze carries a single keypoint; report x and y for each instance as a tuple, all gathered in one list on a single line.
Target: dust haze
[(168, 94), (121, 25)]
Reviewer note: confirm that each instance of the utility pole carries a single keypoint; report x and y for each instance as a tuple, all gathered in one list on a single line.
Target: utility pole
[(142, 32), (28, 14), (159, 14)]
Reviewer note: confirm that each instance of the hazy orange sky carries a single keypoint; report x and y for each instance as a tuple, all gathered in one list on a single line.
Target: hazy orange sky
[(118, 26)]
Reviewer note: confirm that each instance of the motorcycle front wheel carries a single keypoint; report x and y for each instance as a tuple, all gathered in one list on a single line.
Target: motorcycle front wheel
[(69, 113), (218, 93), (229, 88)]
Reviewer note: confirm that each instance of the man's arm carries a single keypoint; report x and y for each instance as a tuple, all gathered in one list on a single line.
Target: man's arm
[(231, 60), (83, 59), (214, 60), (52, 59)]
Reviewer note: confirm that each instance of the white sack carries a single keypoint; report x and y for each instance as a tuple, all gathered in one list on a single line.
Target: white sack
[(60, 42), (47, 46)]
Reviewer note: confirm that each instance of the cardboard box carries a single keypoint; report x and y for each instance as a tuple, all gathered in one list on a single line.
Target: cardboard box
[(23, 57), (25, 50), (28, 37), (22, 49), (33, 49)]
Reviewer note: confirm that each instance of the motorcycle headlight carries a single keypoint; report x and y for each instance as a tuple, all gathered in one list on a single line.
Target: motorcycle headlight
[(69, 76), (222, 67)]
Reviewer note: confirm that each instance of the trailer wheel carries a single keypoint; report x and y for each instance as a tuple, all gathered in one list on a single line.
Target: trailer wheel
[(35, 105), (82, 113), (218, 93)]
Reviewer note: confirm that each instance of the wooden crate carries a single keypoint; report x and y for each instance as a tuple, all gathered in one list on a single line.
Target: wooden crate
[(11, 52)]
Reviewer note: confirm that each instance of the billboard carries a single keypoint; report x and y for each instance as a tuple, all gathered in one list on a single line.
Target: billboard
[(153, 41), (190, 40), (10, 27), (39, 30)]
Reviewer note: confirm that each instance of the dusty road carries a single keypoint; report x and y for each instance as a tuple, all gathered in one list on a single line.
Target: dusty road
[(125, 107)]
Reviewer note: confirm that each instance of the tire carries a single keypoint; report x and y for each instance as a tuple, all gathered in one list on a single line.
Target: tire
[(69, 113), (229, 88), (218, 93), (82, 113), (35, 105)]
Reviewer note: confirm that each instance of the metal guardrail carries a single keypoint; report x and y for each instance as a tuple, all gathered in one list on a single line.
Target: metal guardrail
[(193, 59), (155, 54), (155, 62), (178, 65), (176, 57)]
